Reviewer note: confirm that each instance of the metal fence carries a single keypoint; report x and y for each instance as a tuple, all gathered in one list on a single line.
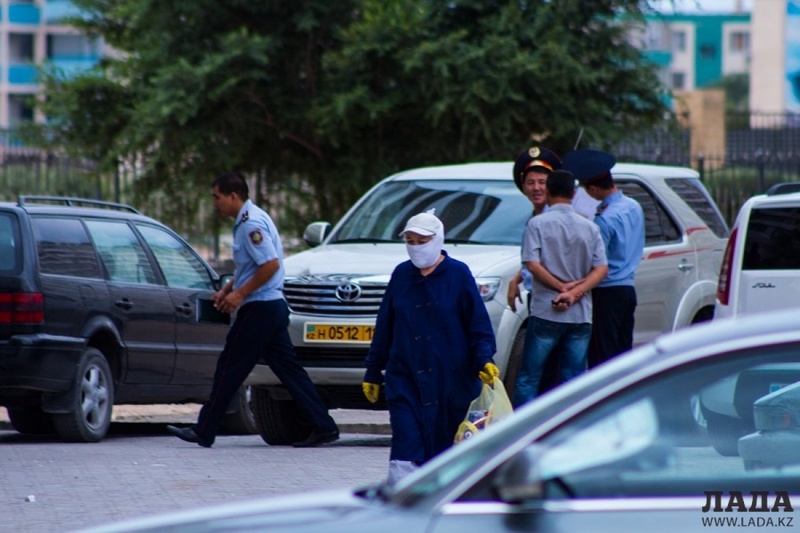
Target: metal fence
[(761, 149)]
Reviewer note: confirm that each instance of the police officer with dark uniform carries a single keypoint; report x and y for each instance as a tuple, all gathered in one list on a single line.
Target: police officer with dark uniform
[(531, 168), (621, 223), (260, 328)]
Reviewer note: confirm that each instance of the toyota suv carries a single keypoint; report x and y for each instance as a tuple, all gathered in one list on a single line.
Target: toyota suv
[(334, 289), (99, 305)]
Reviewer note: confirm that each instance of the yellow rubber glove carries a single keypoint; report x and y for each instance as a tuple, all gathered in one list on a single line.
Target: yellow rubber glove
[(489, 373), (371, 391)]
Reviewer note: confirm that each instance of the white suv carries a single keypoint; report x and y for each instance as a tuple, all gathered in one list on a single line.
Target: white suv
[(761, 269), (334, 290), (760, 272)]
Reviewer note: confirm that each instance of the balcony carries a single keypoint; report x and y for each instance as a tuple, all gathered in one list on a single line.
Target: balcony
[(72, 65), (56, 10), (23, 14), (22, 74)]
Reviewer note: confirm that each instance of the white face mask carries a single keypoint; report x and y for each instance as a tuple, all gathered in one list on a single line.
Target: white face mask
[(425, 255)]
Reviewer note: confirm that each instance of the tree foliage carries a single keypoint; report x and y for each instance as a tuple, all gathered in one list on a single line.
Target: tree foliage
[(324, 98)]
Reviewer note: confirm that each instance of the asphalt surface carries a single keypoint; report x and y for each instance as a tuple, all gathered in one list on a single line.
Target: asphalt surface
[(139, 469)]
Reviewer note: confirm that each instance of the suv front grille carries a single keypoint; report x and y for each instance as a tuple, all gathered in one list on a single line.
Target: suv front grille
[(333, 296), (331, 357)]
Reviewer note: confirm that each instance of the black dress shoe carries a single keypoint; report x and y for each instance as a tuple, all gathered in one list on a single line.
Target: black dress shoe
[(317, 438), (188, 435)]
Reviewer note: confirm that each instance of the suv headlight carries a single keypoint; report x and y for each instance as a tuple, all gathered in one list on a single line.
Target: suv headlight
[(487, 287)]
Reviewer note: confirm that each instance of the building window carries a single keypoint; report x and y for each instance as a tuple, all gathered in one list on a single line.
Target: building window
[(708, 51), (20, 108), (678, 39), (740, 41), (678, 80)]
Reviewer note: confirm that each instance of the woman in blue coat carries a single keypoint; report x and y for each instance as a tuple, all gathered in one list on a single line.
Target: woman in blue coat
[(434, 339)]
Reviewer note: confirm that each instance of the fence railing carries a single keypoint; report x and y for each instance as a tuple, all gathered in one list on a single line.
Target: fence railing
[(761, 150)]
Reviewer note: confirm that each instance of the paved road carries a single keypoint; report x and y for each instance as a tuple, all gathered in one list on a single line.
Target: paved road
[(139, 469)]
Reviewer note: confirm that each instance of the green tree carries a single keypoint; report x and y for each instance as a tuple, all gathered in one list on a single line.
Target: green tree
[(321, 99)]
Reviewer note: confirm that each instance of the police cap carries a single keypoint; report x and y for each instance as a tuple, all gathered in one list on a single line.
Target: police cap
[(535, 156), (589, 165)]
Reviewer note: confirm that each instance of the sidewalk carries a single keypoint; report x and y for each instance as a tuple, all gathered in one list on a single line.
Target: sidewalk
[(349, 420)]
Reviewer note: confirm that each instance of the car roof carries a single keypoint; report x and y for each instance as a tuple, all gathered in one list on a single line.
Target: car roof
[(503, 170), (120, 212), (791, 199)]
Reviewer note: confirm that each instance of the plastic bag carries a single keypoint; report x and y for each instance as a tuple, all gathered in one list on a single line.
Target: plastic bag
[(490, 406)]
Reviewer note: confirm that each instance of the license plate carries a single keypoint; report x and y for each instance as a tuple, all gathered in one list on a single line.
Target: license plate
[(338, 333)]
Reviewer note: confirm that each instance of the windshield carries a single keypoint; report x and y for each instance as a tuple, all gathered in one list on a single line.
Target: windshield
[(472, 211)]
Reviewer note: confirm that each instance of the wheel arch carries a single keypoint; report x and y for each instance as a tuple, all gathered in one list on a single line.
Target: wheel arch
[(698, 297)]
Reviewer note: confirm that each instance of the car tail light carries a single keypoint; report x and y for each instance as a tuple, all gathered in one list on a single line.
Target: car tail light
[(724, 282), (21, 308)]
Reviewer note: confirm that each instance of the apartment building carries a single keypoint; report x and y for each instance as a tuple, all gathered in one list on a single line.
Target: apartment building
[(697, 49), (31, 34)]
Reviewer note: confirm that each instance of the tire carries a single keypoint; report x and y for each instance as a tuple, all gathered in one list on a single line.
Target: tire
[(724, 432), (514, 360), (279, 421), (93, 400), (242, 421), (31, 420), (703, 315)]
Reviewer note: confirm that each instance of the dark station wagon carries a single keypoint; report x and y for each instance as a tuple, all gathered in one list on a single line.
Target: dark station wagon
[(98, 306)]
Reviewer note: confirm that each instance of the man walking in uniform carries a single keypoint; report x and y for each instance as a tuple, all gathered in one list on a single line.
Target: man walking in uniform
[(260, 328), (621, 223)]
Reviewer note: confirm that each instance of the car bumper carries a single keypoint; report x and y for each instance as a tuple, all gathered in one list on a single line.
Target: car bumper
[(770, 449), (43, 363)]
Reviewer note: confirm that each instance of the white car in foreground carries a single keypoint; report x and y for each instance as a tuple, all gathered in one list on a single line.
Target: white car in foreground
[(609, 451)]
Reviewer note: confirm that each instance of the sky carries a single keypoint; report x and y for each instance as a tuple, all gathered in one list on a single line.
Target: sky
[(705, 6)]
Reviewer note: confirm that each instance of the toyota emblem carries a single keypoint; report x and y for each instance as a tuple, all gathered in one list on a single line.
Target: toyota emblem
[(348, 292)]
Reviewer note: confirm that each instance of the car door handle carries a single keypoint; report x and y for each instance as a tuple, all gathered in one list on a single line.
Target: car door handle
[(184, 309), (124, 304), (685, 267)]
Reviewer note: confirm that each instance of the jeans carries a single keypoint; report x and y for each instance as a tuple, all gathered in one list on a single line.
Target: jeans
[(568, 342)]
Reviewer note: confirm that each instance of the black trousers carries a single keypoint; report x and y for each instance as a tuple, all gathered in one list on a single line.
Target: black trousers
[(260, 333), (612, 322)]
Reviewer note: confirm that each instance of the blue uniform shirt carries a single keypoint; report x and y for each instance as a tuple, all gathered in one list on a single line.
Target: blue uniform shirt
[(621, 223), (256, 241)]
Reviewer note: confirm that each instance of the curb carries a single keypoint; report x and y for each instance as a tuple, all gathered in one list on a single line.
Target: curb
[(353, 422)]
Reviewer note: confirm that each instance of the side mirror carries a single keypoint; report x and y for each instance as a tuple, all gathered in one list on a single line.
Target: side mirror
[(519, 479), (223, 280), (315, 233)]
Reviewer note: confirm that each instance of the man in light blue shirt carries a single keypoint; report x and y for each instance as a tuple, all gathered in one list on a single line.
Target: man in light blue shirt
[(260, 330), (621, 223)]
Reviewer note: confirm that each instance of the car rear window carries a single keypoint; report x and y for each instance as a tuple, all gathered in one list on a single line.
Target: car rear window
[(773, 239), (10, 249), (64, 248), (696, 196)]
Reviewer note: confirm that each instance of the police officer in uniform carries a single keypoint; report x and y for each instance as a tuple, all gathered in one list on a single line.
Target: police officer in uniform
[(260, 328), (531, 168), (621, 223)]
